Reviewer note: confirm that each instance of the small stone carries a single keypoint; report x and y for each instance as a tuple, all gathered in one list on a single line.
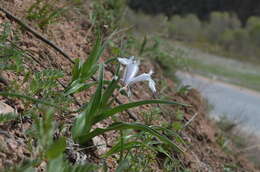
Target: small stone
[(5, 109), (100, 142)]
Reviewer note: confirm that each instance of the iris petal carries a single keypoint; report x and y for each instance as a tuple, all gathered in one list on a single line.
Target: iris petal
[(144, 77), (124, 61), (131, 69)]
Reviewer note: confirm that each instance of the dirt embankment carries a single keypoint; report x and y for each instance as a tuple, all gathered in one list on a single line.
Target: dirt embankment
[(74, 34)]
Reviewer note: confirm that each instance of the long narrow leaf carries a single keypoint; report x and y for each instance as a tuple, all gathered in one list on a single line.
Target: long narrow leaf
[(92, 58), (56, 149), (170, 132), (122, 126), (117, 148), (85, 119), (95, 104), (136, 144), (77, 87), (76, 70), (110, 90), (8, 117), (86, 76), (123, 166), (124, 107)]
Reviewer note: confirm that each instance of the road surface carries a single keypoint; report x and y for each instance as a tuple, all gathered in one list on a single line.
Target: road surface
[(236, 103)]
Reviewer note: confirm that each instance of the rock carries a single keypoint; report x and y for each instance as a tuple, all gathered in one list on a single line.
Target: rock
[(100, 143), (4, 108)]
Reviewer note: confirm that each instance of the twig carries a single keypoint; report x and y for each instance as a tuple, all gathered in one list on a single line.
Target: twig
[(187, 123), (35, 33), (249, 148), (50, 43)]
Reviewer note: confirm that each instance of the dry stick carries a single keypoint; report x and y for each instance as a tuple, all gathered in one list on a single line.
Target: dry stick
[(187, 123), (249, 148), (39, 36), (35, 33)]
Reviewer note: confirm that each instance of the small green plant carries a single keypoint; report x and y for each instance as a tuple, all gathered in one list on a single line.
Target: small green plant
[(47, 149), (44, 101), (10, 57), (139, 150), (106, 14), (149, 116), (98, 109), (46, 12), (169, 62)]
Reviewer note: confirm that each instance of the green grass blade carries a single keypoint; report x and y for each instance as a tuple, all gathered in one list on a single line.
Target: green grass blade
[(8, 117), (79, 126), (123, 166), (77, 87), (92, 71), (76, 69), (110, 60), (143, 45), (85, 119), (123, 126), (96, 101), (117, 148), (110, 90), (92, 58), (170, 133), (135, 144), (56, 149), (124, 107)]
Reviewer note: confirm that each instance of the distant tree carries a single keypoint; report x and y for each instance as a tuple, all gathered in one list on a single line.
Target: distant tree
[(202, 8)]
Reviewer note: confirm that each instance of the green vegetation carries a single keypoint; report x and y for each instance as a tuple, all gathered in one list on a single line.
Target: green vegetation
[(44, 12), (60, 122), (173, 50), (45, 100), (222, 34), (244, 79), (232, 136), (106, 15)]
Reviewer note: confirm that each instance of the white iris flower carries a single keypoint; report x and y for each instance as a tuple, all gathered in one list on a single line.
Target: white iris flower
[(131, 69)]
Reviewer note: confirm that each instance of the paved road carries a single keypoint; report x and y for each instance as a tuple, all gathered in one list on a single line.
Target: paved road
[(237, 103)]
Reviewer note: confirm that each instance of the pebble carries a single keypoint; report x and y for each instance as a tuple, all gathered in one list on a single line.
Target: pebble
[(5, 109)]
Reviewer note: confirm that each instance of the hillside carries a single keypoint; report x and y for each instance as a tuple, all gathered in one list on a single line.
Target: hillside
[(45, 89)]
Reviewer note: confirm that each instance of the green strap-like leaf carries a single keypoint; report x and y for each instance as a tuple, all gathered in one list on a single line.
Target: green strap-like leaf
[(8, 117), (85, 119), (92, 58), (56, 149), (77, 87), (117, 148), (97, 97), (122, 126), (123, 166), (124, 107), (109, 91), (76, 69)]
